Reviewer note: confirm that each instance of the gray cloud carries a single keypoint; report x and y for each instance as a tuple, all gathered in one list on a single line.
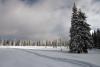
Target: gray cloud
[(42, 19)]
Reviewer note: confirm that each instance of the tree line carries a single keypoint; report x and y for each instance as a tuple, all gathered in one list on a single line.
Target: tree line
[(54, 43)]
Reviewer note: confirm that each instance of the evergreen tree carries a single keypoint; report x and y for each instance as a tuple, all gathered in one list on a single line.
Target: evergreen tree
[(96, 38), (84, 30), (81, 38), (73, 30)]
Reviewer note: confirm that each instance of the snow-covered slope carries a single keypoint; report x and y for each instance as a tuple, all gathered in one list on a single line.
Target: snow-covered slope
[(92, 57), (46, 57)]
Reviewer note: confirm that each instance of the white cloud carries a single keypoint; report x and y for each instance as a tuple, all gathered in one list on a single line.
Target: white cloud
[(46, 19)]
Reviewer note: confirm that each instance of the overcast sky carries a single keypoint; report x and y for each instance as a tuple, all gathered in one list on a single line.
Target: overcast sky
[(43, 19)]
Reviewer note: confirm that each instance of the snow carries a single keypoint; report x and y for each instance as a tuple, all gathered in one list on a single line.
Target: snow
[(37, 47), (92, 31), (92, 57), (37, 56)]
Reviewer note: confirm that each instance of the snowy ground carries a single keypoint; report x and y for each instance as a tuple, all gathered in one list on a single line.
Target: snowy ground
[(46, 57)]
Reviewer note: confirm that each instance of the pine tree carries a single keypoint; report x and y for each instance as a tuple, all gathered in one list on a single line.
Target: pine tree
[(81, 38), (96, 38), (85, 31), (74, 20)]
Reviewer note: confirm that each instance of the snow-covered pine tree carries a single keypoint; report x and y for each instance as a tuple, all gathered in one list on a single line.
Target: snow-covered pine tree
[(81, 38), (85, 40), (73, 31)]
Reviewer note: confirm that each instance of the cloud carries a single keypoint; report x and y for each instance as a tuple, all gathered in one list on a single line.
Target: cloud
[(92, 11), (42, 19)]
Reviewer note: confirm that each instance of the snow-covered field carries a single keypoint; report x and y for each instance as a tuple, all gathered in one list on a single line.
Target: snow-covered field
[(28, 56)]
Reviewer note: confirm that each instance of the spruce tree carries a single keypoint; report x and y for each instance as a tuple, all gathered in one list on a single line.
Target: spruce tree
[(73, 31), (96, 38), (84, 32), (81, 38)]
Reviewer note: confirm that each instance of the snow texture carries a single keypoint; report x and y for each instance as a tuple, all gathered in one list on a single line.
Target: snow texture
[(46, 57)]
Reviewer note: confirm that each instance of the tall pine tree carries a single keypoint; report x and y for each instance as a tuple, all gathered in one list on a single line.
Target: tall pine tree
[(96, 38), (81, 38), (73, 30)]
